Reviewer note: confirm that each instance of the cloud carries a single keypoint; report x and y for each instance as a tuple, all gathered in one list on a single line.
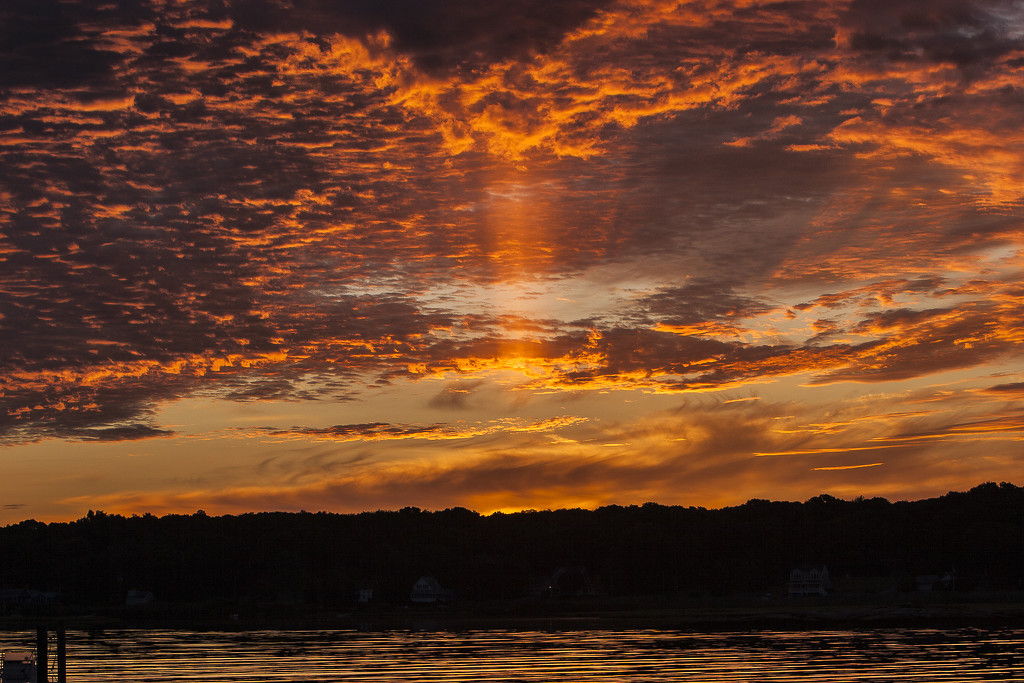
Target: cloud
[(708, 450), (455, 396), (374, 431), (847, 467), (447, 34), (1008, 390), (277, 201), (927, 341), (699, 303), (961, 33), (883, 292), (1007, 424), (127, 433), (705, 452), (57, 44)]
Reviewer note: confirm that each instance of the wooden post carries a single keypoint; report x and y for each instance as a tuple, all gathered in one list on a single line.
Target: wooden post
[(41, 662), (61, 655)]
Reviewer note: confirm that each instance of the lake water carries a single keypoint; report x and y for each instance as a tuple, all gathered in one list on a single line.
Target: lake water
[(158, 656)]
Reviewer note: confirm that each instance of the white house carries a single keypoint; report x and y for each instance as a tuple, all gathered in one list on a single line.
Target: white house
[(933, 582), (809, 581), (137, 597), (427, 590)]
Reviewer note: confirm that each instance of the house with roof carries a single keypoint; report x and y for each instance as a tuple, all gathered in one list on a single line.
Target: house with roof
[(808, 580), (428, 590), (15, 597), (926, 583)]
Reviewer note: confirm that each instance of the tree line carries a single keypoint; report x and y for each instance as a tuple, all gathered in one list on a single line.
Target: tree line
[(322, 559)]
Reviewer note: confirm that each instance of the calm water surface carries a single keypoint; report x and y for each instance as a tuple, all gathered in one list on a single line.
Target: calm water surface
[(518, 655)]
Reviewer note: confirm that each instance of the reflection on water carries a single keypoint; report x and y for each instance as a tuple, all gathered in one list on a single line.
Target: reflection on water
[(519, 655)]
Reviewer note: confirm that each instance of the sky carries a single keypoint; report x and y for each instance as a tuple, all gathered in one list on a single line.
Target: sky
[(359, 255)]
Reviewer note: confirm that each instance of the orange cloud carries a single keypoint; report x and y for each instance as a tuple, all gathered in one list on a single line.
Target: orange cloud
[(847, 467)]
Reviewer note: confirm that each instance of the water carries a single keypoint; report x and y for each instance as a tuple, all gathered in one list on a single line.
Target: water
[(158, 656)]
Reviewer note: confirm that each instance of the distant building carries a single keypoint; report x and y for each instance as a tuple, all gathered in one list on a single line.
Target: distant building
[(933, 582), (137, 597), (809, 580), (427, 590), (10, 597)]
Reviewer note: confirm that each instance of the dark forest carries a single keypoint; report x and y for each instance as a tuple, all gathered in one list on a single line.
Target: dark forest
[(320, 561)]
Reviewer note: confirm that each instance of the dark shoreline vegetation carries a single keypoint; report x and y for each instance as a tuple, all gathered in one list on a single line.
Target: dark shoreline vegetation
[(955, 560)]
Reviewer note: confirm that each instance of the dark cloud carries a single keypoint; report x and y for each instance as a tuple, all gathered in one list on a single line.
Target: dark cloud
[(900, 318), (883, 291), (824, 329), (123, 375), (72, 406), (1009, 421), (264, 389), (681, 192), (919, 343), (439, 35), (126, 433), (776, 28), (455, 396), (369, 430), (49, 43), (701, 303), (1010, 390), (950, 31)]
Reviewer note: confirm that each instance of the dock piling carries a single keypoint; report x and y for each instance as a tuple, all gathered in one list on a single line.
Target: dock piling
[(61, 655), (42, 664)]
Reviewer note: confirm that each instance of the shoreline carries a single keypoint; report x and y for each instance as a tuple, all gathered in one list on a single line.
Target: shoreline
[(991, 613)]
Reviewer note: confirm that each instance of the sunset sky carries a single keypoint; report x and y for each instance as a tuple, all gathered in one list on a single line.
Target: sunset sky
[(359, 255)]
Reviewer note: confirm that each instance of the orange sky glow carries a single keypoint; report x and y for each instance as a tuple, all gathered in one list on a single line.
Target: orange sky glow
[(294, 255)]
